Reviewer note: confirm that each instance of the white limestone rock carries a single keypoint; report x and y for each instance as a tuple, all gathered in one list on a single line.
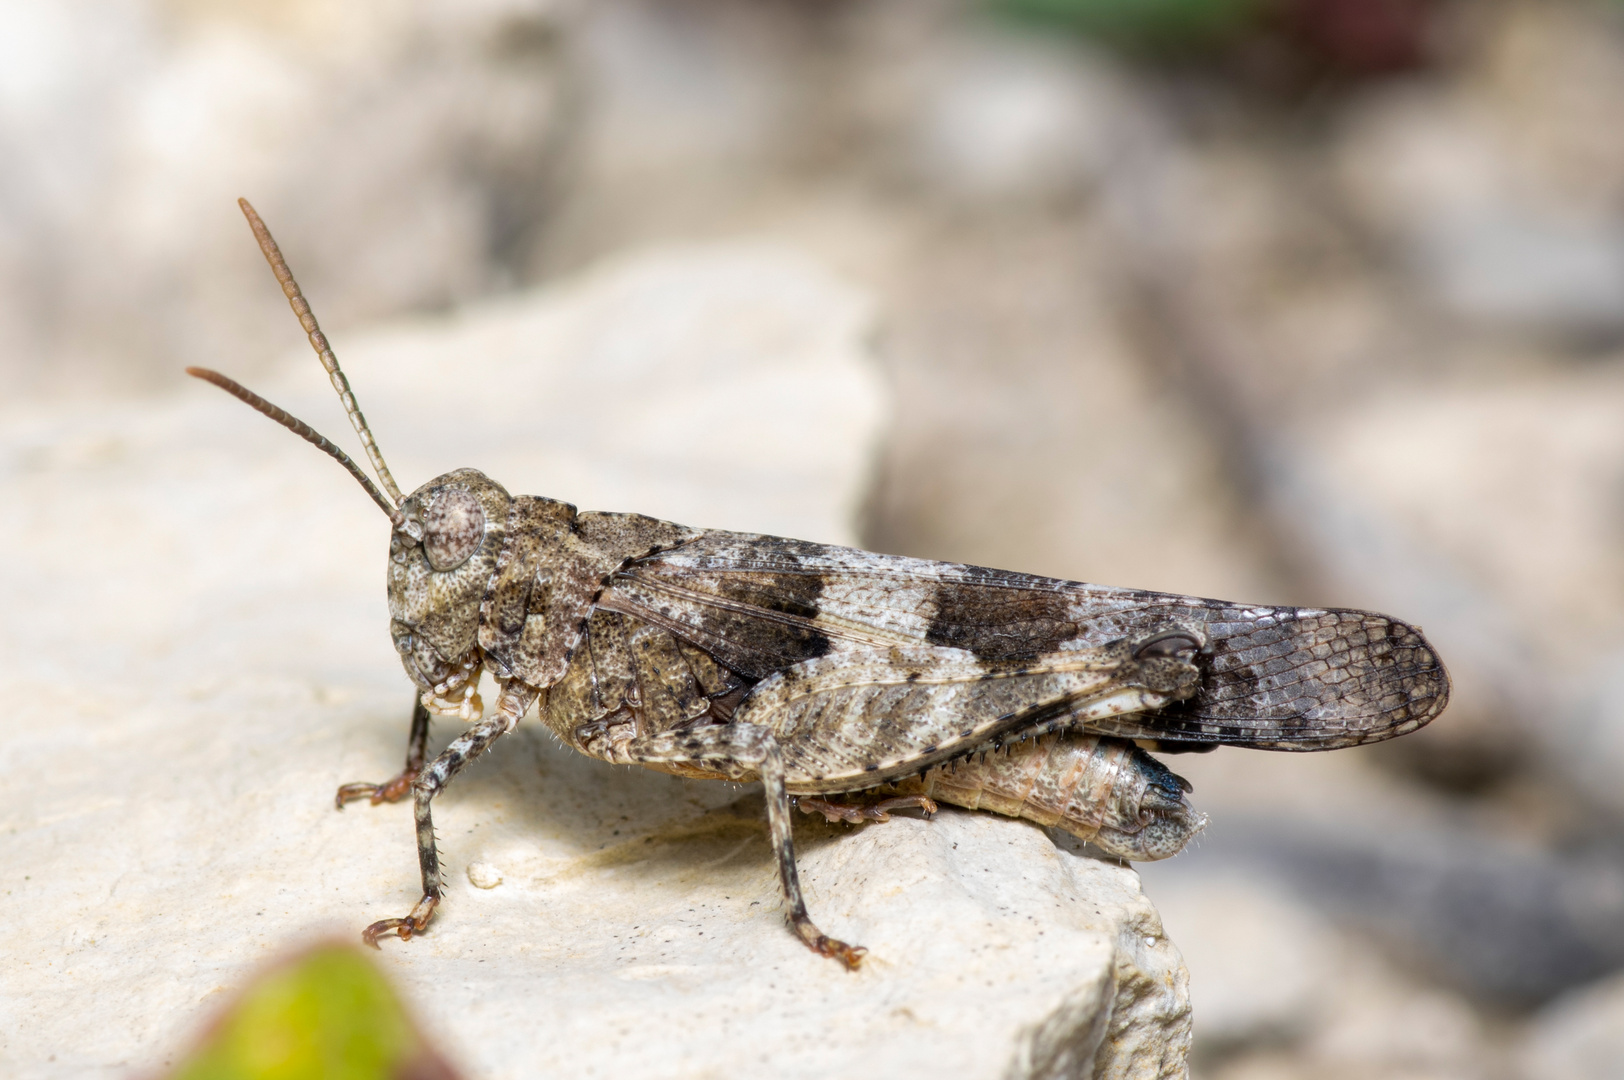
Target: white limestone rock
[(195, 655), (401, 152), (1580, 1036), (1495, 184), (1280, 980), (994, 117)]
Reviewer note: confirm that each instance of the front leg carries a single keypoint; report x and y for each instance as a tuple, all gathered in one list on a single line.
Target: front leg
[(739, 750), (417, 745), (512, 705)]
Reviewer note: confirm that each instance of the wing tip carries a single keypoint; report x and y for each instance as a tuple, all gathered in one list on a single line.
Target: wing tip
[(1395, 690)]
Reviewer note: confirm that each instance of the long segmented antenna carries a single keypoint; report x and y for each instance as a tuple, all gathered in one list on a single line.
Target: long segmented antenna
[(298, 427), (318, 341)]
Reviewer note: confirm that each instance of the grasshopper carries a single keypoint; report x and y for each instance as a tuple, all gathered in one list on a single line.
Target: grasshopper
[(822, 670)]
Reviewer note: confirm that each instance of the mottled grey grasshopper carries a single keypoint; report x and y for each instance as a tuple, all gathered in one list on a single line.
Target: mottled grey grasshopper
[(823, 670)]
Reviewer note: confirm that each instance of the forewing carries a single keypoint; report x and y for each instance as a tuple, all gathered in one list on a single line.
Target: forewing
[(1272, 677)]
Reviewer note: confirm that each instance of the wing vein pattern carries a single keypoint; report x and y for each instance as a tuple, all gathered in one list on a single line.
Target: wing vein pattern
[(1281, 678)]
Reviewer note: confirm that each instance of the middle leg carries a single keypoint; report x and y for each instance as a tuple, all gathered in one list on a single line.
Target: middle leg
[(855, 813)]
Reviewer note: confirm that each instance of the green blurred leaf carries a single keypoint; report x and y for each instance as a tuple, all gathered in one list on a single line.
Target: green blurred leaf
[(326, 1014), (1165, 23)]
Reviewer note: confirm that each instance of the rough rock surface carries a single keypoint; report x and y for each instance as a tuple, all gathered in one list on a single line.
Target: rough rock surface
[(195, 656), (1281, 982)]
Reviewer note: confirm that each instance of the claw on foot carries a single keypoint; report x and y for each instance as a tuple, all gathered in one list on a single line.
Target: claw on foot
[(415, 923), (404, 928), (824, 945), (849, 955), (855, 813), (389, 791)]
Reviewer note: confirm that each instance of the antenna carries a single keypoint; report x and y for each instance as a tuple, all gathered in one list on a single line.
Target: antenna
[(295, 425), (318, 341)]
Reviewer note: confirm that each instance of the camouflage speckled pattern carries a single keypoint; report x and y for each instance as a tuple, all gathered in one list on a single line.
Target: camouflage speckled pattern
[(822, 670)]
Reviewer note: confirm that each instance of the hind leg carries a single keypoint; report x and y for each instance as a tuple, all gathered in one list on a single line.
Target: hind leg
[(740, 750)]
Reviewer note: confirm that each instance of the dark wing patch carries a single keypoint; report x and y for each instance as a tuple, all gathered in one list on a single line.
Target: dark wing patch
[(998, 621), (755, 623)]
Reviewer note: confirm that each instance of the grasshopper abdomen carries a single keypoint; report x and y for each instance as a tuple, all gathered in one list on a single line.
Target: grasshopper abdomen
[(1106, 791)]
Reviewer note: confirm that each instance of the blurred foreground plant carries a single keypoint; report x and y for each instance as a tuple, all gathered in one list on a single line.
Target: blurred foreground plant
[(327, 1013)]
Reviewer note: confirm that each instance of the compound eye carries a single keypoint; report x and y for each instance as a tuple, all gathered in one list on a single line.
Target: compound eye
[(453, 526)]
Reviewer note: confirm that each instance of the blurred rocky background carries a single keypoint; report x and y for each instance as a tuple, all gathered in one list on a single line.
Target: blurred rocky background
[(1304, 301)]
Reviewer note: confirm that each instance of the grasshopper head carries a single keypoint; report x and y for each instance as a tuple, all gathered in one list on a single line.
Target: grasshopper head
[(442, 552), (445, 536)]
